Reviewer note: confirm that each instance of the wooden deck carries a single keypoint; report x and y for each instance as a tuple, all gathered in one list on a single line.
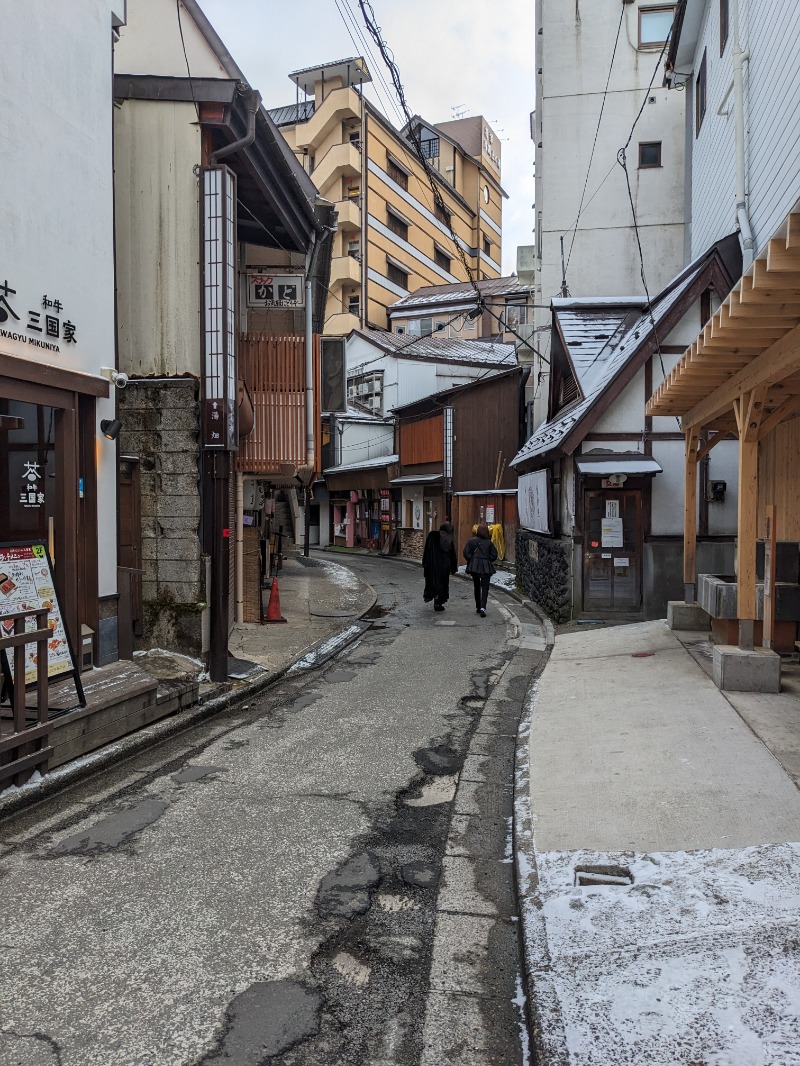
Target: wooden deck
[(120, 698)]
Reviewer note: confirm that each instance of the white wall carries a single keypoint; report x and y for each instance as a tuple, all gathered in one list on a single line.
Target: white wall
[(56, 208), (363, 440), (769, 32), (151, 43), (158, 237)]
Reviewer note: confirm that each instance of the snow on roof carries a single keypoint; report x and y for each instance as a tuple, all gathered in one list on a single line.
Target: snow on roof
[(441, 349), (365, 464), (600, 345)]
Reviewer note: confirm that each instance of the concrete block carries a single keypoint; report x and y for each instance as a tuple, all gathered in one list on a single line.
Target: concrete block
[(717, 595), (689, 616), (739, 670)]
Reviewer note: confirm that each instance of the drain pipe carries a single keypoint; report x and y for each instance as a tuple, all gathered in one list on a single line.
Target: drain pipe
[(742, 216), (239, 547), (252, 110)]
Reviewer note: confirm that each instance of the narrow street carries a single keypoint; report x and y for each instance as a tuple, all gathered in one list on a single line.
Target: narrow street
[(321, 876)]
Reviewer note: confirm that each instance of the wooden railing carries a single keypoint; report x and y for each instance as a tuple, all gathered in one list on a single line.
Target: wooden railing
[(25, 749), (274, 368)]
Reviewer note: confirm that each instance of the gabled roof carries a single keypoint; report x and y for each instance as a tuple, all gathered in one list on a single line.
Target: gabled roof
[(438, 399), (434, 349), (291, 114), (609, 344), (460, 292)]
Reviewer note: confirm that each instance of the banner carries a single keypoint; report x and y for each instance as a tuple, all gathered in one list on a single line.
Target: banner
[(533, 501)]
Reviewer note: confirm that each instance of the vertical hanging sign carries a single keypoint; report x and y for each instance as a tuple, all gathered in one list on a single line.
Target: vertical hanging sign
[(448, 450), (219, 308)]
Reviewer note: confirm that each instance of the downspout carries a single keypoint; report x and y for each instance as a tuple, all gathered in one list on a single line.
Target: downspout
[(239, 547), (310, 352), (742, 217), (249, 137)]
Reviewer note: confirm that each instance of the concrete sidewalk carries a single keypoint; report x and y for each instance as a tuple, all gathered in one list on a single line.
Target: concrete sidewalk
[(643, 773)]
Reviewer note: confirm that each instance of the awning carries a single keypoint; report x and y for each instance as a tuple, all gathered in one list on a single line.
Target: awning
[(416, 479), (605, 465)]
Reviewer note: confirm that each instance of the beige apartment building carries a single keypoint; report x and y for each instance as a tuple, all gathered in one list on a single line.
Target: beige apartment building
[(393, 237)]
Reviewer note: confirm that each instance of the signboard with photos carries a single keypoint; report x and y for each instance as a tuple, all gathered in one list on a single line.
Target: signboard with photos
[(27, 584)]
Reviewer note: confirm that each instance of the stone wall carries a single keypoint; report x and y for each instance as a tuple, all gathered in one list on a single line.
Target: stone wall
[(543, 571), (161, 427), (412, 543)]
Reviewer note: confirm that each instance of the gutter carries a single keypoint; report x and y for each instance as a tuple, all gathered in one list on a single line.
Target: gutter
[(252, 109)]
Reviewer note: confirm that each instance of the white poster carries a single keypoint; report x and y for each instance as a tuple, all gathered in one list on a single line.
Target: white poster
[(611, 533), (533, 502)]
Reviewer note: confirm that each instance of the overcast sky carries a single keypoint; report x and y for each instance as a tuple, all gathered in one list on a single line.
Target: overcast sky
[(472, 54)]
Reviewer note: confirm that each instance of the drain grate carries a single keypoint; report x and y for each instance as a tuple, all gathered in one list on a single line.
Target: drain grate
[(586, 876)]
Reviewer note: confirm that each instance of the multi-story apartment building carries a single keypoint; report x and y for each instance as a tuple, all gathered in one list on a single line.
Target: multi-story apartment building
[(393, 235), (594, 66)]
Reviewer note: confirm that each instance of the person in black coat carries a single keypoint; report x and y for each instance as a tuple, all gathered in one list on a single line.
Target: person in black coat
[(439, 561), (480, 554)]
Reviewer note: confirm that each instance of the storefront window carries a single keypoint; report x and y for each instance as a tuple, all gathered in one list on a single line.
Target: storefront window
[(27, 472)]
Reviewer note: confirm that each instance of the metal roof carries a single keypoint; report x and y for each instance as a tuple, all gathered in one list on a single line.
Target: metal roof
[(600, 345), (365, 464), (458, 292), (291, 114), (441, 349), (416, 479), (622, 463)]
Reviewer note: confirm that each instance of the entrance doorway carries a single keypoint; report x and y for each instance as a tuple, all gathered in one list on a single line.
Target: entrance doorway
[(612, 551)]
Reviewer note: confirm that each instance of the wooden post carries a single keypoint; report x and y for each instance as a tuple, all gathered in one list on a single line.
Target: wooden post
[(690, 518), (747, 408), (769, 577)]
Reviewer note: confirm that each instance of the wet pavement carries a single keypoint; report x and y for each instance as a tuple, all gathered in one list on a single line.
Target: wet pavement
[(322, 875)]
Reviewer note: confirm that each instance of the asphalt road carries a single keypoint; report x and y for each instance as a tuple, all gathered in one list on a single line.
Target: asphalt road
[(322, 876)]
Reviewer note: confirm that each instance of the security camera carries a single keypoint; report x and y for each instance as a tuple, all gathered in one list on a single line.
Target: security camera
[(115, 376), (120, 380)]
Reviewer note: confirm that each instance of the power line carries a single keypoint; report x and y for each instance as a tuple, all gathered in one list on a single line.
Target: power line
[(186, 57), (597, 131)]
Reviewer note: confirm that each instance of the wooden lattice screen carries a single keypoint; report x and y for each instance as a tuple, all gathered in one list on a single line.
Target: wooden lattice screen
[(274, 370)]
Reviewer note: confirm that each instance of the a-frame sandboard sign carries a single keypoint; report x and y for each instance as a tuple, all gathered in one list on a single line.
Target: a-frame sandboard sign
[(27, 584)]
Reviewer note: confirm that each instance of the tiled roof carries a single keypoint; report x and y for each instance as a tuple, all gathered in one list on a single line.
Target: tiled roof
[(292, 113), (462, 291), (601, 342), (441, 349)]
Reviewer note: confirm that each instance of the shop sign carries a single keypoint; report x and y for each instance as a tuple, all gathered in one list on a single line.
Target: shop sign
[(31, 495), (275, 290), (45, 327), (26, 584)]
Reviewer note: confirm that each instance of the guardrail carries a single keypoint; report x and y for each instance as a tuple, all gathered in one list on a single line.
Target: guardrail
[(24, 748)]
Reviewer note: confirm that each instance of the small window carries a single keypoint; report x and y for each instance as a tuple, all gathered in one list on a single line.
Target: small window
[(354, 248), (649, 154), (355, 139), (397, 225), (700, 96), (353, 192), (397, 174), (397, 276), (441, 259), (723, 25), (654, 25), (487, 246), (440, 212), (353, 305)]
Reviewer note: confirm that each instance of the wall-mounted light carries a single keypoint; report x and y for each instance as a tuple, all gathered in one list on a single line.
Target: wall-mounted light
[(110, 428)]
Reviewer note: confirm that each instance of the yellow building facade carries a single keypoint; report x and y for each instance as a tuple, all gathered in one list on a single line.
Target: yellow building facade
[(393, 237)]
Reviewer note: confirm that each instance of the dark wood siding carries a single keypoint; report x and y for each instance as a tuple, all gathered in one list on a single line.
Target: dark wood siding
[(486, 427), (422, 441)]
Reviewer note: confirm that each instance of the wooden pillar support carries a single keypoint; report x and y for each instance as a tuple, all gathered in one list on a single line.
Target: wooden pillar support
[(748, 409), (690, 517)]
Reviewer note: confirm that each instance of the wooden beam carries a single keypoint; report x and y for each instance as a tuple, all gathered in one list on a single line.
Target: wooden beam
[(778, 361), (712, 442), (789, 407), (690, 517), (780, 258), (769, 577), (764, 278), (793, 232), (747, 506)]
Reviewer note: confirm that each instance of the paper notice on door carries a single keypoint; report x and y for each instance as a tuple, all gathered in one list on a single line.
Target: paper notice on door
[(611, 533), (612, 508), (619, 561)]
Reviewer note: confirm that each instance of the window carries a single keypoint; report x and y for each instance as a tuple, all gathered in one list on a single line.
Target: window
[(355, 138), (440, 212), (426, 327), (353, 192), (654, 25), (367, 390), (397, 225), (487, 245), (723, 25), (700, 96), (397, 275), (516, 315), (649, 154), (441, 259), (354, 249), (353, 305), (396, 173)]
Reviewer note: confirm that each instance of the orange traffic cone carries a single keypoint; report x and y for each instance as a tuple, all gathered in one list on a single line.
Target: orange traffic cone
[(274, 606)]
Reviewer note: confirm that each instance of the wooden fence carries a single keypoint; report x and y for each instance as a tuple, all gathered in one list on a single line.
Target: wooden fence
[(274, 369), (24, 746)]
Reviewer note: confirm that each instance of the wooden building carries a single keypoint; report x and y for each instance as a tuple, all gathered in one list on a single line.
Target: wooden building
[(454, 449)]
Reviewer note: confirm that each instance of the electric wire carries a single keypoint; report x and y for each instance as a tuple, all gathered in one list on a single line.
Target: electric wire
[(596, 133), (186, 57)]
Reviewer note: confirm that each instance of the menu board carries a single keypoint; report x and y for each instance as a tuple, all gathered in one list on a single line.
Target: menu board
[(26, 584)]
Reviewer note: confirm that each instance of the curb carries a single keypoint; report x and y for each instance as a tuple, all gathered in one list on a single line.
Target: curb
[(134, 743)]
